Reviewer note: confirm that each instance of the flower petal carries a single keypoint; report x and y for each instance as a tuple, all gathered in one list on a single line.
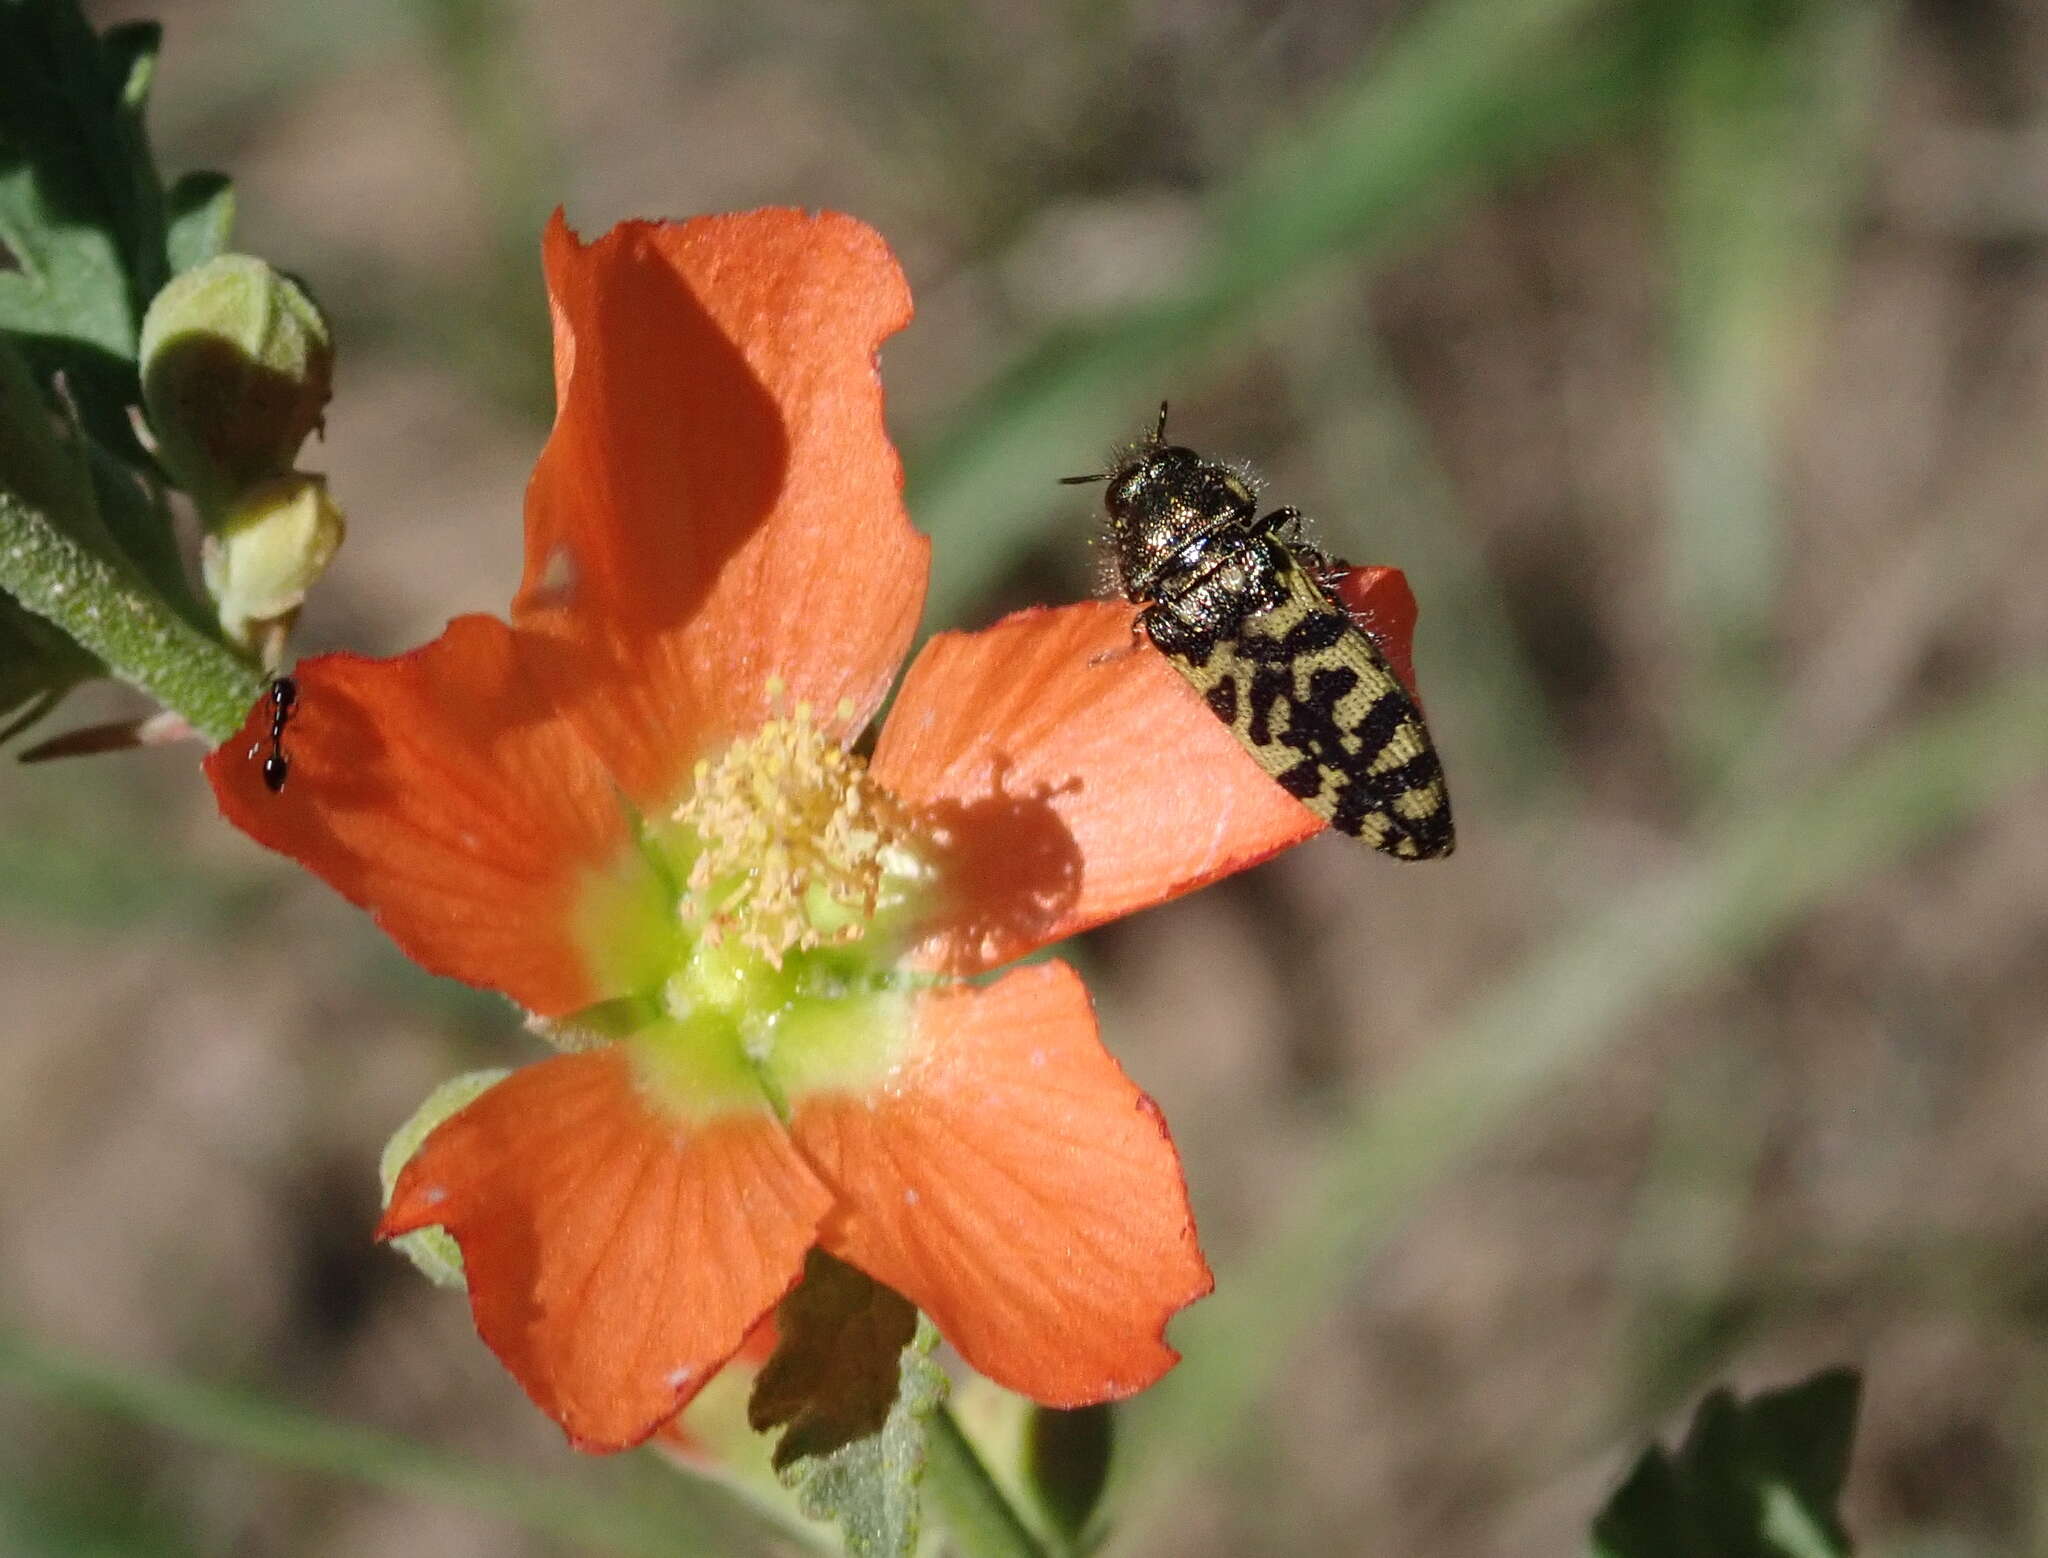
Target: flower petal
[(719, 503), (438, 791), (1016, 1186), (711, 1433), (616, 1258), (1078, 776), (1380, 601)]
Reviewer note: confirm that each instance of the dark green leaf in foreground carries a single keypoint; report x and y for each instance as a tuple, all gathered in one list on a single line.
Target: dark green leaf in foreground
[(1067, 1455), (87, 233), (38, 665), (81, 213), (1755, 1479), (852, 1385), (87, 238)]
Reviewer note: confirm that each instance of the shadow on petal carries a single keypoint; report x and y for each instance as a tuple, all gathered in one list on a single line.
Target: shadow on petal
[(1011, 870)]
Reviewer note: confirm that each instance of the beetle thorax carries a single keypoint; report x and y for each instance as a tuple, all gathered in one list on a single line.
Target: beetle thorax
[(1167, 507)]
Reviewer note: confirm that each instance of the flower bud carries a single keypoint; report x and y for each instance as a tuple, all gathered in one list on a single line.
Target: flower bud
[(433, 1250), (265, 551), (237, 365)]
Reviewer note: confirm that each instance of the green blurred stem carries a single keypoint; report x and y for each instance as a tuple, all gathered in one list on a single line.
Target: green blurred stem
[(979, 1521), (1769, 128), (231, 1420), (1462, 96), (128, 625)]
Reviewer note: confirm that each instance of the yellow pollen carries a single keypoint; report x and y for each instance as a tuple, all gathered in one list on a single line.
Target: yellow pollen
[(797, 845)]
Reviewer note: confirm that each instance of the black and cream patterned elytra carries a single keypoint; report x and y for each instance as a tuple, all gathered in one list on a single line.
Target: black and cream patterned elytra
[(1239, 609)]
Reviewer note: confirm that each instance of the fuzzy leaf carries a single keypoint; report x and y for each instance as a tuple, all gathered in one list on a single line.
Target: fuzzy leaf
[(833, 1377), (60, 99), (853, 1384), (1755, 1479), (83, 247), (81, 207)]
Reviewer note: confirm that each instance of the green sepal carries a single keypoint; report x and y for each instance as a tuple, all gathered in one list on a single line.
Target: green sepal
[(853, 1385), (1754, 1479), (433, 1250)]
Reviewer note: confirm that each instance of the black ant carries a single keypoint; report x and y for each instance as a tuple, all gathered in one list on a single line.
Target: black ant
[(284, 697)]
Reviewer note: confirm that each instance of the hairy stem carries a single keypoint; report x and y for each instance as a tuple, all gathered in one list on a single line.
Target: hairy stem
[(110, 611)]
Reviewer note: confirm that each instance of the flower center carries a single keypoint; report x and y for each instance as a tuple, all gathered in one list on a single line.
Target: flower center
[(759, 954), (797, 847)]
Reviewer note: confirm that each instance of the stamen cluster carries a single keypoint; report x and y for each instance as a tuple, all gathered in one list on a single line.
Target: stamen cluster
[(797, 845)]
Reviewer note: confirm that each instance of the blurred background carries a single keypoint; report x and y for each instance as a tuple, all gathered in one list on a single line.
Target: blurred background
[(1692, 358)]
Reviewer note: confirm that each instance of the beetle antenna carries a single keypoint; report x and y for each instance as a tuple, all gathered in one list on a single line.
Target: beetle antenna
[(1158, 438)]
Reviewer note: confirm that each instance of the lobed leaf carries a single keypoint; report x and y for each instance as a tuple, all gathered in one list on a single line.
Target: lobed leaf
[(855, 1385), (1754, 1479), (84, 221)]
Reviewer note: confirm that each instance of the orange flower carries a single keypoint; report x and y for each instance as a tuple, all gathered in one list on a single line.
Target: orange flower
[(635, 809)]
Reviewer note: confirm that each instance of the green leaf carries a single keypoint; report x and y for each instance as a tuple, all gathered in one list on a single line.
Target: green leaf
[(87, 493), (103, 604), (833, 1377), (200, 217), (38, 463), (137, 194), (1756, 1479), (82, 212), (1068, 1455), (69, 213), (854, 1383), (38, 665), (82, 225), (58, 106)]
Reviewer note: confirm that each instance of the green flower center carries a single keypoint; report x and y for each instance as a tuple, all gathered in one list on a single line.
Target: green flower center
[(764, 942)]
